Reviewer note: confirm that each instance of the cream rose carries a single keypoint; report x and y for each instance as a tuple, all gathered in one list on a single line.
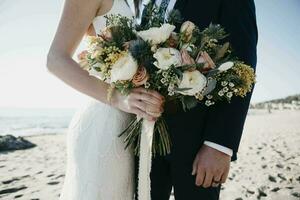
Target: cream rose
[(124, 69), (166, 57), (157, 35), (194, 81)]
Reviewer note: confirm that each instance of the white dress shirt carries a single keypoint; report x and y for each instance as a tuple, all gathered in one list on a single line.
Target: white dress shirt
[(218, 147)]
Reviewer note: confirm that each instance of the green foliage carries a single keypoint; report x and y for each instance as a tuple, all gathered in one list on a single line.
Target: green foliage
[(124, 86), (121, 29)]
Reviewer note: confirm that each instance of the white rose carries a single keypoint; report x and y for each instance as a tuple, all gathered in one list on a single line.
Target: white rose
[(226, 66), (95, 73), (193, 80), (157, 35), (166, 57), (124, 69)]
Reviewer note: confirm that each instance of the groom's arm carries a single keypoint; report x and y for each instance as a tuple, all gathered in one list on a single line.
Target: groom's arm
[(225, 121)]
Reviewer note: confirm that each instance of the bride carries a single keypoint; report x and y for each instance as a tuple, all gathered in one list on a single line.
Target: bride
[(98, 167)]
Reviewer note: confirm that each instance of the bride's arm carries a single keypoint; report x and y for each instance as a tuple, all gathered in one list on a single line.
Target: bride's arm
[(76, 18)]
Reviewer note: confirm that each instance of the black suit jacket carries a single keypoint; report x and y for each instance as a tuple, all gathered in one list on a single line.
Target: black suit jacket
[(223, 123)]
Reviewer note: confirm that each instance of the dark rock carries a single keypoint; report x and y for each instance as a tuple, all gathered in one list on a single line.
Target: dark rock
[(279, 166), (272, 179), (275, 189), (12, 190), (281, 176), (296, 194), (261, 192), (250, 191), (10, 181), (53, 183), (10, 142), (59, 176), (18, 196)]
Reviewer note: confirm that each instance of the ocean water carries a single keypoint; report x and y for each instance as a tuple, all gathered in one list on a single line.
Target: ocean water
[(25, 121)]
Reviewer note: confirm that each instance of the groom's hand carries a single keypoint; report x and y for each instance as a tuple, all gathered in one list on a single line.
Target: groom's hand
[(211, 167)]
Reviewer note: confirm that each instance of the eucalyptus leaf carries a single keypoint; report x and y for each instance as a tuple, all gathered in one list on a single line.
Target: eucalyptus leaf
[(211, 85), (189, 102), (212, 72)]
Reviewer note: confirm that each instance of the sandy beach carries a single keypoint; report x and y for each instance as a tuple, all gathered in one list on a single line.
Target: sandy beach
[(268, 165)]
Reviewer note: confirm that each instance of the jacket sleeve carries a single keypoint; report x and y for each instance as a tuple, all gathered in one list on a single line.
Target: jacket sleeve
[(225, 121)]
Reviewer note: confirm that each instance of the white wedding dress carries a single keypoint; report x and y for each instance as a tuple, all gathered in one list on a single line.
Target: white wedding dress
[(98, 167)]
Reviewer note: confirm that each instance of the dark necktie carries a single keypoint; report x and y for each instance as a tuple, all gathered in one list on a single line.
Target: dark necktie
[(163, 9)]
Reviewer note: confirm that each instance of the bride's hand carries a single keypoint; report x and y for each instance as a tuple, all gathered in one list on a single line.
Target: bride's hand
[(147, 104)]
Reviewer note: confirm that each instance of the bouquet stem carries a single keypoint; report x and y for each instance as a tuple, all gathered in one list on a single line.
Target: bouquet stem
[(161, 143)]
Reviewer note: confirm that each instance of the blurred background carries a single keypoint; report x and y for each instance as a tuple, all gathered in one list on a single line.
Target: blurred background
[(33, 102)]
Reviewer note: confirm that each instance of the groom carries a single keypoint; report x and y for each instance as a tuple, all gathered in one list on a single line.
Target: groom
[(206, 139)]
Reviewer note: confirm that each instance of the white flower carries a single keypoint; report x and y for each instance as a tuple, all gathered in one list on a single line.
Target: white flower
[(221, 93), (193, 81), (209, 103), (124, 69), (98, 74), (225, 89), (209, 96), (166, 57), (224, 83), (231, 84), (157, 35), (226, 66), (229, 94)]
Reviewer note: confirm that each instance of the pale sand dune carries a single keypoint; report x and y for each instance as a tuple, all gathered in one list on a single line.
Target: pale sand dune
[(268, 163)]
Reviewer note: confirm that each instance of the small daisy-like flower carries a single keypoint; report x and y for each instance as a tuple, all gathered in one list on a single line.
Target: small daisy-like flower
[(221, 93), (163, 80), (209, 96), (235, 90), (231, 84), (208, 102), (171, 93), (229, 94), (199, 96), (224, 83), (225, 89), (147, 85), (165, 74), (171, 88)]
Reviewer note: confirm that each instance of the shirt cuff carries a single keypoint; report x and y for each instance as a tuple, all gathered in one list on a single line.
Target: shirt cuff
[(219, 147)]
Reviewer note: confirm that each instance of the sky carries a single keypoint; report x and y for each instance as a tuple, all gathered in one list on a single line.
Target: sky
[(27, 28)]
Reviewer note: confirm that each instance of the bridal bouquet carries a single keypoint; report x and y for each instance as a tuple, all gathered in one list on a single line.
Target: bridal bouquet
[(190, 65)]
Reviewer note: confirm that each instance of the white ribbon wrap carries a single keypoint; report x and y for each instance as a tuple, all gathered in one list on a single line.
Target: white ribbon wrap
[(144, 184)]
